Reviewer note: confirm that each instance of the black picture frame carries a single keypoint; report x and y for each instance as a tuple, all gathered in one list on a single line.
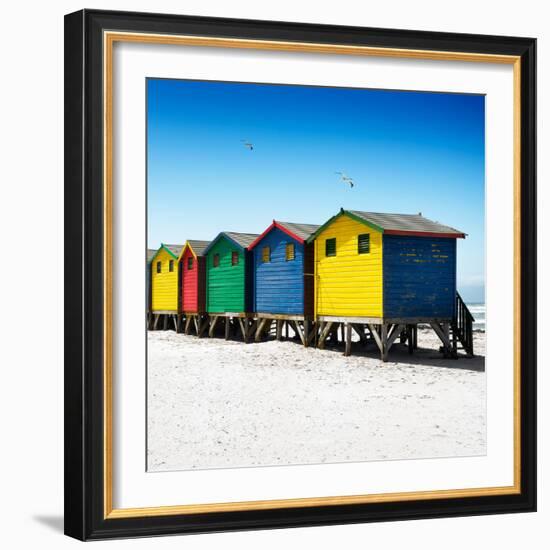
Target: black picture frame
[(84, 281)]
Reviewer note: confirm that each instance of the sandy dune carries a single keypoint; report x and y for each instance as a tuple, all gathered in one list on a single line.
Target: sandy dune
[(218, 404)]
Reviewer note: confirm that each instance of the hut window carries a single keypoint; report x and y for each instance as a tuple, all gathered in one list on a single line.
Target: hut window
[(159, 267), (216, 260), (190, 263), (266, 254), (234, 258), (171, 266), (289, 252), (363, 244), (330, 247)]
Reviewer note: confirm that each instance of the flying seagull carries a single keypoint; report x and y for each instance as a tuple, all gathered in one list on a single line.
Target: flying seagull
[(247, 144), (345, 179)]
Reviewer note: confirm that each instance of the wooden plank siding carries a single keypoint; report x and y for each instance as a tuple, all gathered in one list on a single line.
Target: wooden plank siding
[(419, 276), (349, 283), (225, 284), (164, 285), (278, 283)]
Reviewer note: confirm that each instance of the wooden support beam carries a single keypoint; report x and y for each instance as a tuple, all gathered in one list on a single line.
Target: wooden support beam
[(306, 332), (156, 322), (279, 329), (347, 350), (299, 331), (260, 329), (444, 337), (250, 326), (213, 324), (324, 333), (243, 327), (187, 327), (312, 333), (396, 331), (202, 326), (227, 327), (384, 340), (376, 337), (410, 339)]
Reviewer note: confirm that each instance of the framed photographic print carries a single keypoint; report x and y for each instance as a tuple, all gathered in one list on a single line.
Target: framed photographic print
[(300, 274)]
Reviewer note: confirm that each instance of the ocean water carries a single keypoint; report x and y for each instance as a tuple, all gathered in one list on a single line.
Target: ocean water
[(478, 311)]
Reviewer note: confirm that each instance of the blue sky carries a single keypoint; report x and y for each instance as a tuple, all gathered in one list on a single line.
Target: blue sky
[(407, 152)]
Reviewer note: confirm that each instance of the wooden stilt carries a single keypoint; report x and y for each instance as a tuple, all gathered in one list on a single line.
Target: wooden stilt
[(299, 332), (165, 322), (347, 350), (259, 329), (213, 324), (444, 337), (306, 332), (187, 328), (279, 329), (156, 323), (410, 339), (376, 336), (312, 334), (227, 327), (384, 340), (324, 334), (202, 326)]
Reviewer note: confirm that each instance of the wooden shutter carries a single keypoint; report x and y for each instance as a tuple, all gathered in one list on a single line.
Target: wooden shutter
[(216, 260), (363, 244), (159, 267), (190, 263), (289, 252), (234, 258), (171, 266), (330, 247), (266, 254)]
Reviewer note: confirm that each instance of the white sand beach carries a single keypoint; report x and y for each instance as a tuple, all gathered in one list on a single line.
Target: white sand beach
[(217, 404)]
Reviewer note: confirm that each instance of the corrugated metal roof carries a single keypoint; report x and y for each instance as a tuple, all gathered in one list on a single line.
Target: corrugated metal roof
[(302, 230), (174, 248), (198, 246), (242, 239), (405, 222), (150, 254)]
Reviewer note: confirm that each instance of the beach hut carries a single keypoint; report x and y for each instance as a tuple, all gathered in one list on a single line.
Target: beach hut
[(383, 274), (150, 255), (229, 282), (283, 279), (193, 285), (165, 285)]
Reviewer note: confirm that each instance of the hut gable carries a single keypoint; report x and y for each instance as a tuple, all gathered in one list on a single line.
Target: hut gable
[(349, 281), (165, 277), (228, 273), (279, 257)]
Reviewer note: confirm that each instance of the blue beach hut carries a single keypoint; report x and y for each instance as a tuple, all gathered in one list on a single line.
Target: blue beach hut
[(283, 287)]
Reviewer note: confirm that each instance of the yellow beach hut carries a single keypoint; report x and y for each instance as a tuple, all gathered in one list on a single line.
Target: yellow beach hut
[(382, 274), (165, 283)]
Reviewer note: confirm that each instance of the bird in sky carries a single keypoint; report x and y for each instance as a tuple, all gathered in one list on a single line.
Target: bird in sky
[(247, 144), (345, 178)]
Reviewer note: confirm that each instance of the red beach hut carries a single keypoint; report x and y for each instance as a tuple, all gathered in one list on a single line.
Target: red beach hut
[(193, 271)]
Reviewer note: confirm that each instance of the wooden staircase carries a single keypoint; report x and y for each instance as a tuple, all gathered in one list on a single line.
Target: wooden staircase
[(462, 327)]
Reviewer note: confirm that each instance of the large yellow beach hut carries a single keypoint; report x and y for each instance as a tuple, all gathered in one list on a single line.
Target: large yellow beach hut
[(165, 279)]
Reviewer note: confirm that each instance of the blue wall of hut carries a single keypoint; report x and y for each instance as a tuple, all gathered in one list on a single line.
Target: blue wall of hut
[(279, 284), (419, 276)]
